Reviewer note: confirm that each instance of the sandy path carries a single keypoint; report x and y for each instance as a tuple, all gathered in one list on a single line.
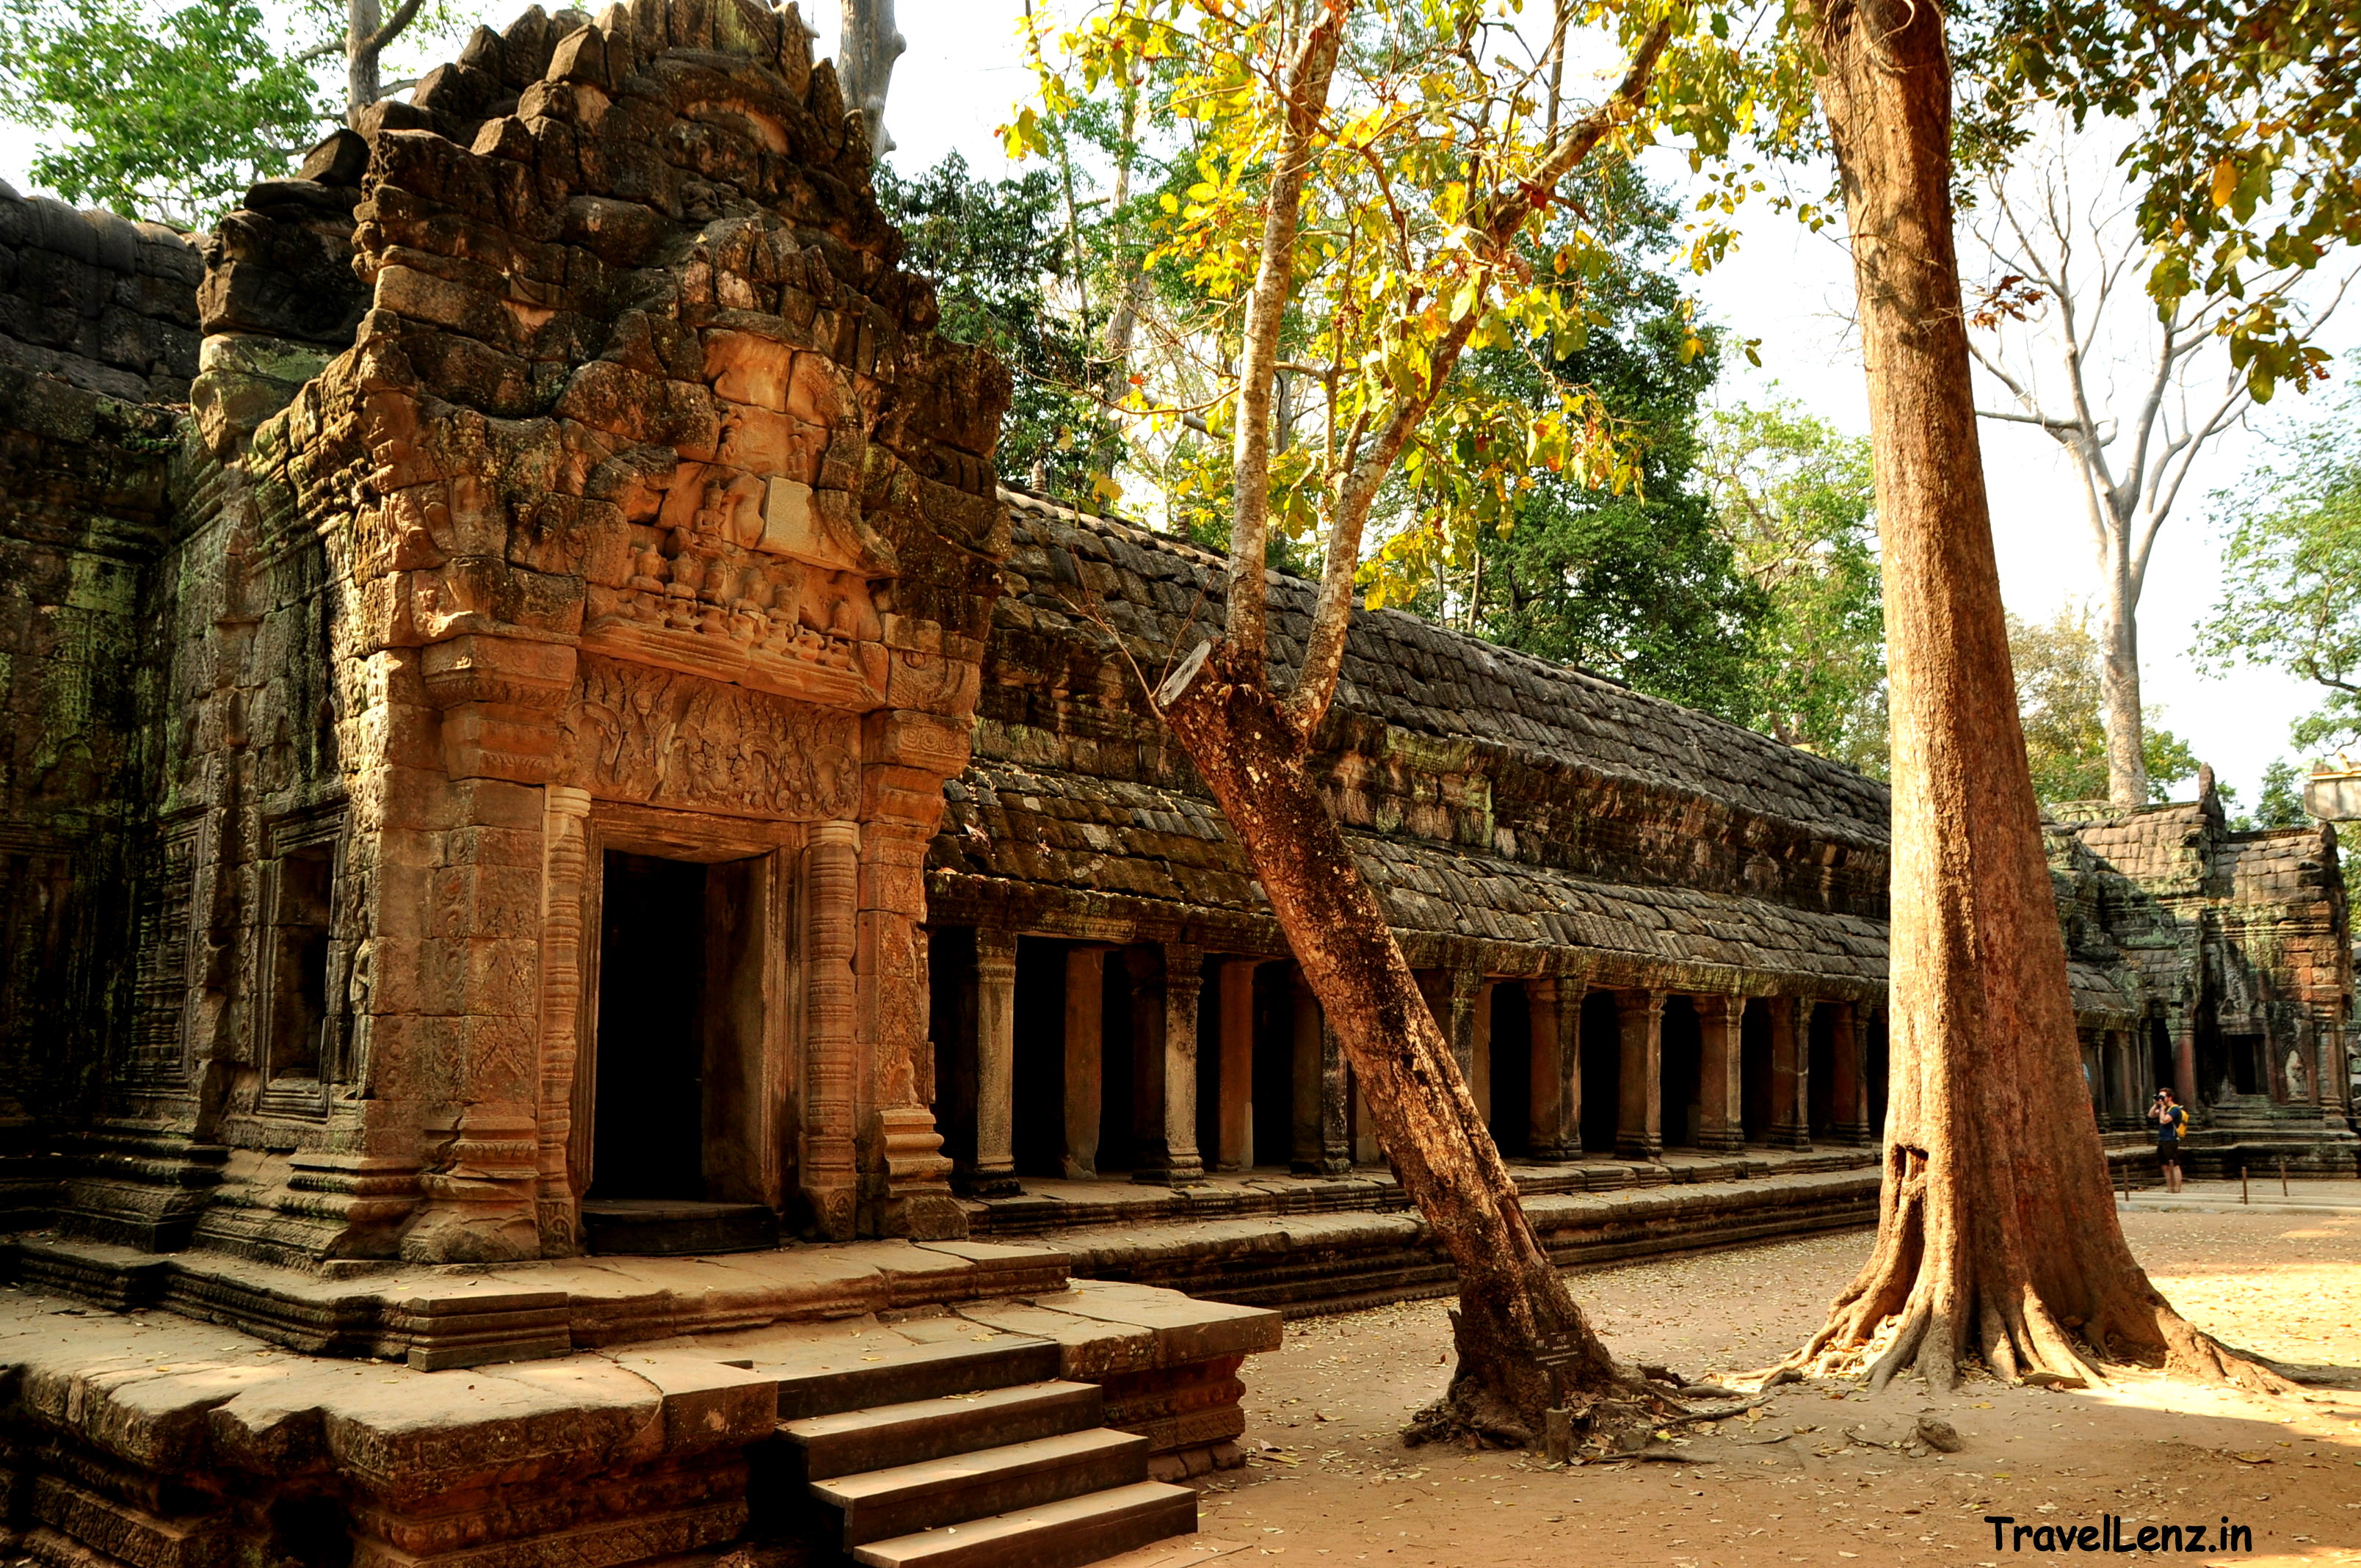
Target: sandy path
[(1336, 1485)]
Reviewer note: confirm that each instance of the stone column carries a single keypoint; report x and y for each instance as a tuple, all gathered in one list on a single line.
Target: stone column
[(2184, 1060), (564, 859), (1234, 1124), (1849, 1093), (1790, 1082), (1322, 1144), (1164, 983), (1639, 1118), (1719, 1129), (1554, 1134), (1085, 1047), (2122, 1080), (1471, 1034), (2330, 1071), (829, 1175), (907, 1176), (1367, 1150), (994, 1174)]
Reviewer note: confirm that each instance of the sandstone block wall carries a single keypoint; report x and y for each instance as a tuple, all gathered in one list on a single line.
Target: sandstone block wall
[(97, 319), (96, 300), (568, 467)]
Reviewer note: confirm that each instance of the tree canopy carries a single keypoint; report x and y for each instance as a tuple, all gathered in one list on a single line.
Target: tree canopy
[(166, 117), (2059, 703), (2291, 570), (1793, 498), (997, 250)]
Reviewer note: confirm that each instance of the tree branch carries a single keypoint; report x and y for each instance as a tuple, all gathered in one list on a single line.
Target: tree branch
[(1504, 214), (375, 43), (1304, 100)]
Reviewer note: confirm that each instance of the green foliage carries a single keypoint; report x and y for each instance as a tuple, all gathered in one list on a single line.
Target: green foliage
[(2249, 133), (1634, 581), (168, 117), (1793, 498), (2291, 570), (2059, 703), (995, 248), (2281, 803)]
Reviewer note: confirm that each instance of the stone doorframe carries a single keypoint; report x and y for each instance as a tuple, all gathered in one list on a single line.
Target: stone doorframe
[(578, 833)]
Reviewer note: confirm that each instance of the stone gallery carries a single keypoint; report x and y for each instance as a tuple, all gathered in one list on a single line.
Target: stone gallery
[(594, 914)]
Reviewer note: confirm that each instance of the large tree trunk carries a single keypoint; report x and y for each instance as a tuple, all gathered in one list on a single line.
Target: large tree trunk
[(1514, 1307), (1997, 1231), (866, 49), (2119, 677)]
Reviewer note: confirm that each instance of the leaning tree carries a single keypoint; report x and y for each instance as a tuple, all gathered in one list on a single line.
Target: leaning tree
[(1372, 184), (1997, 1231)]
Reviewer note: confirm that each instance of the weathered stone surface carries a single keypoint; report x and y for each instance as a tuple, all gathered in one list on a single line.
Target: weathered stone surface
[(573, 471)]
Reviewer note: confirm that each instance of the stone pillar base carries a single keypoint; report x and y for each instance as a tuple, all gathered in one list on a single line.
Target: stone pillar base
[(138, 1186), (1190, 1174), (1726, 1140), (1631, 1146), (918, 1203)]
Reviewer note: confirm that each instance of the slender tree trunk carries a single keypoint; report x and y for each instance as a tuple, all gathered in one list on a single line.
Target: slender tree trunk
[(1513, 1303), (362, 19), (867, 48), (1997, 1231), (2119, 677), (1523, 1344)]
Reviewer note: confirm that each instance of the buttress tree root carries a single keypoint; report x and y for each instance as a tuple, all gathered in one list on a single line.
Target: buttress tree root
[(1997, 1233)]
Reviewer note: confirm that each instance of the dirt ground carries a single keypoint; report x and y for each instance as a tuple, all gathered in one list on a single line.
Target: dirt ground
[(1330, 1482)]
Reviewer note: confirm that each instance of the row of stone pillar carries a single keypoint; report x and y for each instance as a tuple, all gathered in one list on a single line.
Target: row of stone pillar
[(1330, 1130)]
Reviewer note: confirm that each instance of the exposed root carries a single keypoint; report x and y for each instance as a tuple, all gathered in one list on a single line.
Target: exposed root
[(1618, 1422)]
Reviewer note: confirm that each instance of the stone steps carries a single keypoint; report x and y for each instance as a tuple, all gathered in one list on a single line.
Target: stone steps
[(1057, 1535), (841, 1444), (963, 1455), (900, 1375), (961, 1488)]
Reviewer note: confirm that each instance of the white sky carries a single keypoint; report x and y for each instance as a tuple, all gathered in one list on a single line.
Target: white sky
[(964, 73)]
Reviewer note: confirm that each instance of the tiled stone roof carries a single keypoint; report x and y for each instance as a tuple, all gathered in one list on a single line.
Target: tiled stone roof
[(1162, 594)]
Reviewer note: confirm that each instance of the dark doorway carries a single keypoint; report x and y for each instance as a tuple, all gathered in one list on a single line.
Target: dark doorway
[(649, 1130), (2247, 1074), (1274, 1065), (2160, 1056), (1038, 1070), (1118, 1075), (1602, 1072), (1821, 1071), (1513, 1069), (1754, 1071), (1682, 1079)]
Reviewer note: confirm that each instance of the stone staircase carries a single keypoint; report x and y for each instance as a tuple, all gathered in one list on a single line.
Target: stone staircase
[(964, 1457), (2253, 1132)]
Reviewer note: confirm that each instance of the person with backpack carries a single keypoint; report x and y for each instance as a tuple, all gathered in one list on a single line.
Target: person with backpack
[(2172, 1121)]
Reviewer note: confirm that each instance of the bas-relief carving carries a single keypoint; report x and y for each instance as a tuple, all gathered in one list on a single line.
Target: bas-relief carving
[(661, 738), (753, 579)]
